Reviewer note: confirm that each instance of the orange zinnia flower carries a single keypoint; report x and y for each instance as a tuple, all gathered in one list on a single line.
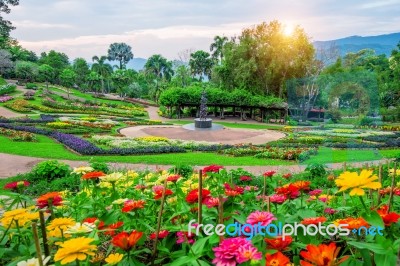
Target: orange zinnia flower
[(276, 259), (53, 197), (130, 205), (313, 220), (93, 175), (278, 243), (321, 255), (173, 178), (113, 227), (352, 223), (302, 185), (126, 241), (388, 217)]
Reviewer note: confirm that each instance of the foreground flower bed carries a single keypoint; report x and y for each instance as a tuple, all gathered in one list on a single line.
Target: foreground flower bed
[(167, 218)]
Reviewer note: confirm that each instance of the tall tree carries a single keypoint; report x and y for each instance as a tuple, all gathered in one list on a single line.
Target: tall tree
[(6, 64), (122, 78), (201, 64), (5, 25), (102, 68), (58, 61), (160, 67), (46, 74), (67, 78), (217, 47), (26, 71), (120, 52), (21, 54), (264, 57), (81, 69)]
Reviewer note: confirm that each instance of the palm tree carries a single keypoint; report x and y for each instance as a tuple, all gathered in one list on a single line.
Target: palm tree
[(102, 68), (217, 46), (161, 68), (201, 64), (120, 52)]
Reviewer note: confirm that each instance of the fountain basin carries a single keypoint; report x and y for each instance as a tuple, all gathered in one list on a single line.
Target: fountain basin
[(203, 123)]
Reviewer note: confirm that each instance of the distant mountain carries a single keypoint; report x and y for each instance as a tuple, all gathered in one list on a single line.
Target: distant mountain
[(382, 44), (136, 63)]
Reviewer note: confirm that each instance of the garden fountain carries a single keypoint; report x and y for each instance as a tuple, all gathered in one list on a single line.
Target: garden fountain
[(203, 123)]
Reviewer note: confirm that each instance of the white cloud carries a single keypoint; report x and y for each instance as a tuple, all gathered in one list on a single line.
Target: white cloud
[(28, 24)]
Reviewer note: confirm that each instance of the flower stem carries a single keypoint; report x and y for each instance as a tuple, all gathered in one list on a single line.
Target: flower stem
[(363, 203)]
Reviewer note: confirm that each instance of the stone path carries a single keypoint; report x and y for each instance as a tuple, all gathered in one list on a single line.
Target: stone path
[(11, 165), (7, 113), (225, 136)]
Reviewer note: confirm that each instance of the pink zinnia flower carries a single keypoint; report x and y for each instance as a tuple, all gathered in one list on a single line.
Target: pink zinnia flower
[(250, 188), (227, 253), (330, 211), (277, 198), (265, 218), (315, 192), (247, 253), (211, 202), (185, 237)]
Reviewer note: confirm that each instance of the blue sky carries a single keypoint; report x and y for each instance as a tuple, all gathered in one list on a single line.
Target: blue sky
[(83, 28)]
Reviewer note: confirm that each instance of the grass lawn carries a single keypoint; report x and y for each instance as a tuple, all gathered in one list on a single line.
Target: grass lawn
[(48, 148), (235, 125)]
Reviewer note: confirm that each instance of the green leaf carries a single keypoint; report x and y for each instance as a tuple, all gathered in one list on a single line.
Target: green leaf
[(182, 261), (376, 248), (199, 245), (388, 259), (366, 255), (374, 219)]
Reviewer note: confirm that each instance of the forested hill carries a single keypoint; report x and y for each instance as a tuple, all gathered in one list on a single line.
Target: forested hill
[(382, 44)]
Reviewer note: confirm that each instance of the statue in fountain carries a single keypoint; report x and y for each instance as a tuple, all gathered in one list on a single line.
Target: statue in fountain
[(203, 121)]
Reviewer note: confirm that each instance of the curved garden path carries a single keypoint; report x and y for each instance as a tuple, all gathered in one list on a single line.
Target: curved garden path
[(11, 165)]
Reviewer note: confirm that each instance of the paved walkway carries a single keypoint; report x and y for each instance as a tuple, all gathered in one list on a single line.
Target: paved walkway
[(225, 136), (11, 165)]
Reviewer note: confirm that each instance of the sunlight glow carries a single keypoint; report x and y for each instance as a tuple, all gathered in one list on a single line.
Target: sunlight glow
[(288, 29)]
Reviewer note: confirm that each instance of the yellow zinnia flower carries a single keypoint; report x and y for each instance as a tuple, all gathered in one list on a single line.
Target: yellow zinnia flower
[(391, 172), (20, 216), (357, 183), (58, 226), (113, 259), (75, 249)]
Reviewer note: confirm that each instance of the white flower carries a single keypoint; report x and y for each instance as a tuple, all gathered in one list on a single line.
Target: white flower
[(82, 170), (33, 262), (119, 201), (80, 228)]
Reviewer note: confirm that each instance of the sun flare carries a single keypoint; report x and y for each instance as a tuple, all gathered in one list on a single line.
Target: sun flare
[(288, 29)]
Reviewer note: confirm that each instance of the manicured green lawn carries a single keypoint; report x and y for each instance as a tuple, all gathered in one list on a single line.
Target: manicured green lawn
[(48, 148)]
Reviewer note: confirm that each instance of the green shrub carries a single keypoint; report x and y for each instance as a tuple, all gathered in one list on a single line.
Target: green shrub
[(184, 170), (31, 86), (316, 170), (7, 89), (334, 115), (70, 183), (100, 166), (49, 171)]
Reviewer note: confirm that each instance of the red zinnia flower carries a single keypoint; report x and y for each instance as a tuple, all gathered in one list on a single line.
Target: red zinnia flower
[(289, 191), (158, 192), (130, 205), (140, 187), (126, 241), (53, 197), (313, 220), (212, 168), (269, 173), (16, 184), (93, 175), (193, 196), (388, 217), (245, 178), (113, 227), (278, 243), (286, 176), (162, 234), (233, 191), (173, 178)]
